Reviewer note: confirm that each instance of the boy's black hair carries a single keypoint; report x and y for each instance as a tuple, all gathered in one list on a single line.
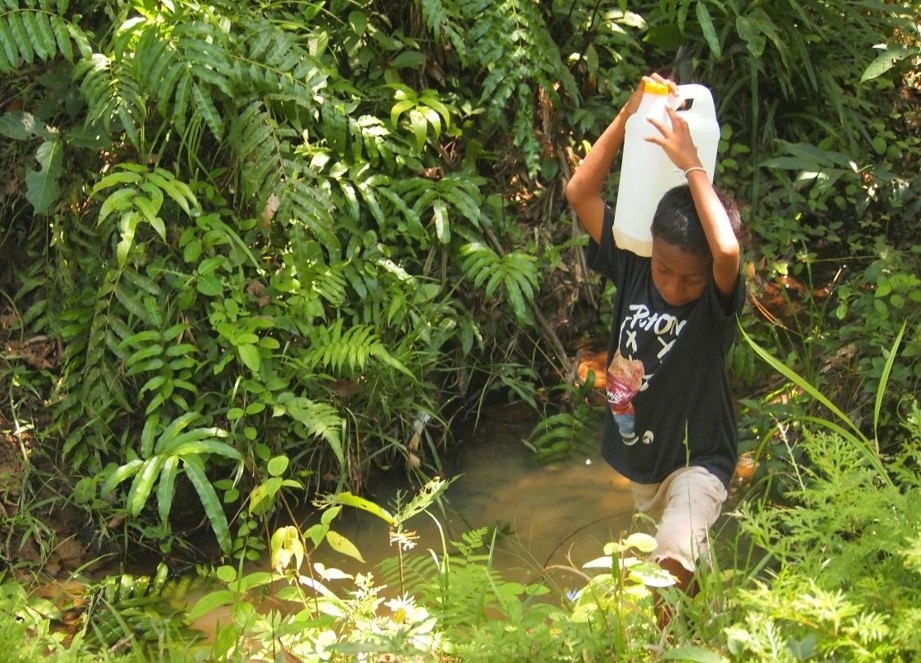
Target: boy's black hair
[(676, 220)]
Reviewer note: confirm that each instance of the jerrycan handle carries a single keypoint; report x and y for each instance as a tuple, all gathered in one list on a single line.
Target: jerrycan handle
[(695, 99)]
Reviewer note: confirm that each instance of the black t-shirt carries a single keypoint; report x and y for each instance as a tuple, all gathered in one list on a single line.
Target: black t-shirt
[(670, 404)]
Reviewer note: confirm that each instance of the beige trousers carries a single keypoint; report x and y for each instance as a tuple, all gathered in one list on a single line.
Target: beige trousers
[(685, 505)]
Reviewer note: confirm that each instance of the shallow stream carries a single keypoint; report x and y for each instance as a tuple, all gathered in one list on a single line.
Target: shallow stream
[(547, 515)]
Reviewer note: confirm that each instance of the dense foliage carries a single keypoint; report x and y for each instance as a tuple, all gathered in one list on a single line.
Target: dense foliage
[(253, 251)]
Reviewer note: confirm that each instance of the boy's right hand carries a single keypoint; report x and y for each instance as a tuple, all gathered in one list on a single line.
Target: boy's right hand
[(633, 103)]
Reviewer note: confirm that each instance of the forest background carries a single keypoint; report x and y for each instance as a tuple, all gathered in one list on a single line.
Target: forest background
[(255, 252)]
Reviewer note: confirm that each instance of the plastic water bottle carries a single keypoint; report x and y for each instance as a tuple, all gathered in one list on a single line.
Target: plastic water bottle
[(646, 171)]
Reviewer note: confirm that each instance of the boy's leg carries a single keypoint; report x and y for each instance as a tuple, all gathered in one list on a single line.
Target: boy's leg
[(693, 500), (686, 505)]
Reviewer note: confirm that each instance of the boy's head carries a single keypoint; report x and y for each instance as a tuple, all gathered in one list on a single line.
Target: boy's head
[(681, 259), (676, 220)]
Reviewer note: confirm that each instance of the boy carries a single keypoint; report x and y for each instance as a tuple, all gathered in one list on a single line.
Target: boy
[(670, 428)]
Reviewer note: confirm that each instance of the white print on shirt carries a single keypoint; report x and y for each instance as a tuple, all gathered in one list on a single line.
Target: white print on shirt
[(663, 326), (626, 375)]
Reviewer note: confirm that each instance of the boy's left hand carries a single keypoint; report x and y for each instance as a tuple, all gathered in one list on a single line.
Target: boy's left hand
[(676, 140)]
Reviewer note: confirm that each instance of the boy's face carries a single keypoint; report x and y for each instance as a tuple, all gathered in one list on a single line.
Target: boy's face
[(679, 276)]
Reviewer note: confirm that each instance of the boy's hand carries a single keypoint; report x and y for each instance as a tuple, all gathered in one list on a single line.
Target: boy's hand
[(633, 103), (676, 140)]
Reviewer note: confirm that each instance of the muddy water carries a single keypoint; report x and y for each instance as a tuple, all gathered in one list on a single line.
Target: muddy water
[(552, 518), (548, 516)]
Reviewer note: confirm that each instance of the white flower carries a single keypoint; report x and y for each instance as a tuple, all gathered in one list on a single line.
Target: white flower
[(405, 610)]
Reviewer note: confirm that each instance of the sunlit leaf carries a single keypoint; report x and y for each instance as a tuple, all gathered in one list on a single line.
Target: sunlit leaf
[(342, 545), (348, 499), (143, 484), (210, 602)]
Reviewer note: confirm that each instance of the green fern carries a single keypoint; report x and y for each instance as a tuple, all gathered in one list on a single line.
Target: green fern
[(94, 396), (35, 33), (513, 275), (348, 351), (443, 20), (320, 421), (168, 360), (512, 42), (115, 100)]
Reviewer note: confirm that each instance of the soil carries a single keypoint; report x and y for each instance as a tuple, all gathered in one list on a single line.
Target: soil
[(38, 538)]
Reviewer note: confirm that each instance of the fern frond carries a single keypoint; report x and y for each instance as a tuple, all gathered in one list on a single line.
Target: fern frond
[(507, 34), (441, 17), (112, 94), (306, 204), (502, 36), (515, 275), (319, 280), (321, 421), (347, 351), (342, 351), (136, 609), (35, 33), (280, 67), (412, 575), (268, 171), (254, 136)]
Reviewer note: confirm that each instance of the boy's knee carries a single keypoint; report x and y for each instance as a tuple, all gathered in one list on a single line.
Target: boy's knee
[(695, 499)]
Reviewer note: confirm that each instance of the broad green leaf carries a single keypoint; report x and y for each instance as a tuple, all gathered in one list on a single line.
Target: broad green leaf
[(143, 484), (886, 60), (277, 466), (143, 355), (211, 502), (179, 191), (166, 487), (708, 29), (316, 534), (408, 60), (119, 201), (175, 427), (209, 285), (519, 307), (348, 499), (691, 655), (128, 224), (342, 545), (200, 447), (255, 579), (442, 221), (42, 188), (642, 542), (116, 178), (262, 496), (399, 108), (420, 127), (148, 434), (124, 472), (210, 602), (249, 355)]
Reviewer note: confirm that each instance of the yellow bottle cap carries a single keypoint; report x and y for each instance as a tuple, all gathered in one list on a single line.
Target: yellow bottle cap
[(651, 87)]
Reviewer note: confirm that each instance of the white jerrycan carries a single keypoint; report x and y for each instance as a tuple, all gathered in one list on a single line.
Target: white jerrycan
[(646, 171)]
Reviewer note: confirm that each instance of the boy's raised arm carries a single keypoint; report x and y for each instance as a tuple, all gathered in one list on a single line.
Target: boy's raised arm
[(584, 189), (724, 245)]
